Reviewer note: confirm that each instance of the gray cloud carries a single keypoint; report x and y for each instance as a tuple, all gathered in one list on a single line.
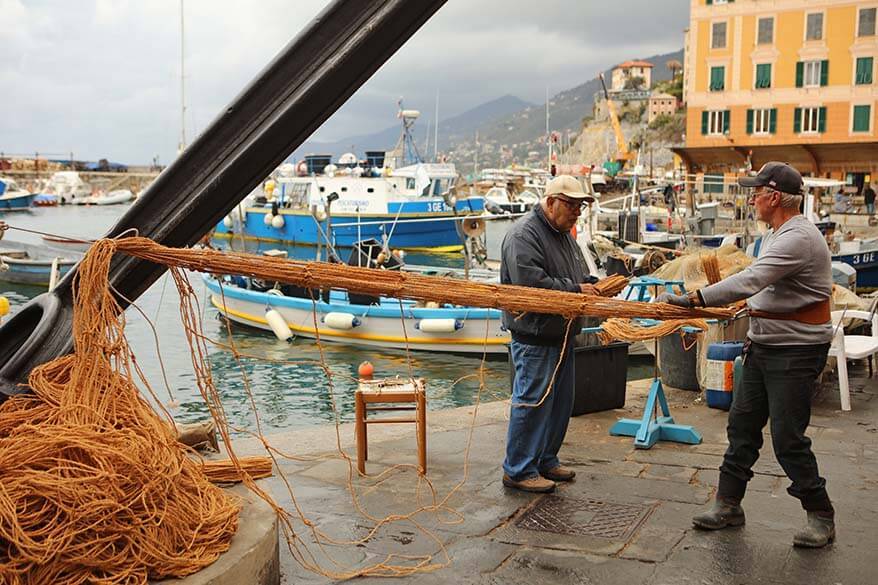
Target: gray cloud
[(102, 78)]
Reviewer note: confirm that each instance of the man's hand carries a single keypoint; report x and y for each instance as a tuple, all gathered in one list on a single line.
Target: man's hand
[(588, 289), (671, 299)]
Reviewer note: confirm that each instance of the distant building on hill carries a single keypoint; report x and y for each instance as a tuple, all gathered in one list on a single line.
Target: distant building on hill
[(792, 81), (632, 75), (661, 104)]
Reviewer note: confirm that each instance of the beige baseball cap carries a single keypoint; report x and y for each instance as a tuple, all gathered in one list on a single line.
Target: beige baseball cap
[(568, 186)]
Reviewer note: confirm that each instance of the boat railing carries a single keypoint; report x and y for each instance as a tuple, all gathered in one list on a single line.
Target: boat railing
[(487, 217)]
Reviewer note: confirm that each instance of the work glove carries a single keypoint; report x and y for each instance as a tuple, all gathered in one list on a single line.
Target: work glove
[(672, 299)]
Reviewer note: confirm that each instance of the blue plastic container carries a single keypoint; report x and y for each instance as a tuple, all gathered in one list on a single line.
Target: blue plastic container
[(720, 374)]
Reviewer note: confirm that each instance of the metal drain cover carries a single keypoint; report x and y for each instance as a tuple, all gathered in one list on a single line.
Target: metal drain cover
[(584, 517)]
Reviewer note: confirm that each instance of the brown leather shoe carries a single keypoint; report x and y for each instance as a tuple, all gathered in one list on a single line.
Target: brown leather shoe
[(559, 473), (535, 484)]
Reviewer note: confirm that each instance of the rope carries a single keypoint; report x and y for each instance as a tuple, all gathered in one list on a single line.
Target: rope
[(710, 263), (93, 484), (395, 284), (626, 330)]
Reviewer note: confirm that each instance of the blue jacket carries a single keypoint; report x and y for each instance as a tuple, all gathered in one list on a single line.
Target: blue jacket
[(536, 254)]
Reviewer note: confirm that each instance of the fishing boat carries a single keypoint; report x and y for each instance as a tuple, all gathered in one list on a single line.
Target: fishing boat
[(14, 198), (409, 202), (359, 320), (22, 263)]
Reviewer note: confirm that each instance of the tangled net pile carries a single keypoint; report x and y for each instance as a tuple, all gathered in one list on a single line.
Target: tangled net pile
[(93, 484)]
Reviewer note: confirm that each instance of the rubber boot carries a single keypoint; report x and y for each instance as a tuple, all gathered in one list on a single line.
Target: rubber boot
[(818, 532), (723, 513)]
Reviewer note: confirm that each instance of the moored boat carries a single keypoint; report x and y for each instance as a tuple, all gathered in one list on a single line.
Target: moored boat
[(12, 197), (33, 265), (387, 323)]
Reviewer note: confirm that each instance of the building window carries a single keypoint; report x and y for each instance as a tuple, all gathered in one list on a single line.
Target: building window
[(717, 78), (763, 75), (864, 71), (866, 22), (809, 120), (812, 73), (718, 38), (862, 118), (762, 121), (715, 123), (814, 27), (765, 31)]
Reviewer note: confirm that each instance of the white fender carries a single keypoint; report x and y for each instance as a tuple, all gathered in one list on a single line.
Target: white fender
[(277, 221), (278, 324), (227, 221), (341, 321), (267, 219), (439, 325)]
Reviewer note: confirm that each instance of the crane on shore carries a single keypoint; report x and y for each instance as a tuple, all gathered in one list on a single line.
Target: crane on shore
[(623, 155)]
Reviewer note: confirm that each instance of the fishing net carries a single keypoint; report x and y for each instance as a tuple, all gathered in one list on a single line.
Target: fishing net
[(690, 267), (94, 486)]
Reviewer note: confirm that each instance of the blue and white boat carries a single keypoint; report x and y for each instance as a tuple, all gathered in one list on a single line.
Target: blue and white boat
[(12, 197), (444, 329), (410, 207), (407, 203)]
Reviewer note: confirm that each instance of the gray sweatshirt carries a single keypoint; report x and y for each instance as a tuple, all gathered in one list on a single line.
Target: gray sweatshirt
[(793, 270)]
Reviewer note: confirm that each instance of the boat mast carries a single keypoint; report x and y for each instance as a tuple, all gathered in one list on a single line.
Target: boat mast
[(436, 130), (182, 144)]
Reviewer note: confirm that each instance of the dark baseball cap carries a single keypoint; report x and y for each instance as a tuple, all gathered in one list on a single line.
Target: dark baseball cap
[(777, 175)]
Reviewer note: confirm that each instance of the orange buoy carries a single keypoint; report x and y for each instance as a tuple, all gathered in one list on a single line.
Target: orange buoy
[(365, 370)]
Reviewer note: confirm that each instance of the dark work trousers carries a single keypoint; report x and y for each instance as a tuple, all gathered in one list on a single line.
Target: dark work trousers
[(777, 385)]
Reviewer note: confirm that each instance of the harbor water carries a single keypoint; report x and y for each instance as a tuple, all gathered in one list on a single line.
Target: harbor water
[(289, 386)]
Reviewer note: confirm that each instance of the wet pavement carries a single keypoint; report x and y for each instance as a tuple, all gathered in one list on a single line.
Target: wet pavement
[(625, 519)]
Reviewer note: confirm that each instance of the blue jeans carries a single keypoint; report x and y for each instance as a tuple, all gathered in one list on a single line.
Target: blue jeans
[(535, 434), (870, 208)]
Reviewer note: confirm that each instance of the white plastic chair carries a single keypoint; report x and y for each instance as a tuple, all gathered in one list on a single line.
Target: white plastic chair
[(851, 347)]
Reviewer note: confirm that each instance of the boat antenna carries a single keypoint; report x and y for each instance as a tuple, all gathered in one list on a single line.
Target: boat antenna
[(406, 144)]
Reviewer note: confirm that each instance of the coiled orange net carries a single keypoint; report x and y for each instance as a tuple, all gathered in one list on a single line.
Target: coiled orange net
[(93, 484)]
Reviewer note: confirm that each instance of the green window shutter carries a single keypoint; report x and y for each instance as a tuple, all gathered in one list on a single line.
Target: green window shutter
[(821, 120), (726, 116), (861, 118), (763, 75), (709, 2), (717, 78), (749, 121), (772, 121), (867, 70), (797, 120), (824, 72), (704, 116), (800, 74)]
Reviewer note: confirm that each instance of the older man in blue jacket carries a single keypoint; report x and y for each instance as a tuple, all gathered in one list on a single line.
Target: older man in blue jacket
[(539, 251)]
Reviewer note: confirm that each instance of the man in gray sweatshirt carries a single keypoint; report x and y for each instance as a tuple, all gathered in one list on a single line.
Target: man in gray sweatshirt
[(788, 289)]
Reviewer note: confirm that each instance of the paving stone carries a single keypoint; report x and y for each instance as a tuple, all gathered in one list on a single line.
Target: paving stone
[(528, 567)]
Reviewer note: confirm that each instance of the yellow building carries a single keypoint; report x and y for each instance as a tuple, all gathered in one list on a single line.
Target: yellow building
[(790, 80)]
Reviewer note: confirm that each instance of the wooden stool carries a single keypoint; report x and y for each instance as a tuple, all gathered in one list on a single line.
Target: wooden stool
[(391, 392)]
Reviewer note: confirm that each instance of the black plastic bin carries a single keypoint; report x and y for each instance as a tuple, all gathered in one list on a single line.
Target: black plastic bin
[(601, 377)]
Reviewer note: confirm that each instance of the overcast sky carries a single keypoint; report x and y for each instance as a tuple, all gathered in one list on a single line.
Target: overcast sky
[(101, 78)]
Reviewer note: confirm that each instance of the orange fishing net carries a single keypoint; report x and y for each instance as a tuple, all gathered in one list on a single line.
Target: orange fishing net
[(93, 484)]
